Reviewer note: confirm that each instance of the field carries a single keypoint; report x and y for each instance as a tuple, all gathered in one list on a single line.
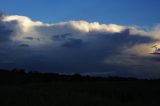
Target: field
[(19, 88)]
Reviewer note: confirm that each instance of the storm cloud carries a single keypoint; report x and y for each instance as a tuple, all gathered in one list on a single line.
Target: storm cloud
[(78, 46)]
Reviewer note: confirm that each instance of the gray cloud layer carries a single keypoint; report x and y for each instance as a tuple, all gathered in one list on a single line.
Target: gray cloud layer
[(78, 46)]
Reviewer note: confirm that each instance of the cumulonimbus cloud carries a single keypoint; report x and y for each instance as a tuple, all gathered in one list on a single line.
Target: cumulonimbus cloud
[(78, 46)]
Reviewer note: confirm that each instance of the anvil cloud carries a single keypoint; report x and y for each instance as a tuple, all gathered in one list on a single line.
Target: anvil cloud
[(78, 46)]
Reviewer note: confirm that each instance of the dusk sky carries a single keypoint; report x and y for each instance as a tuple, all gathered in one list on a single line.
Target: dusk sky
[(95, 37)]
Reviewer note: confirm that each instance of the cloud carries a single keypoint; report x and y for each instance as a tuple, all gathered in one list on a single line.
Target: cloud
[(78, 46), (24, 45), (73, 43)]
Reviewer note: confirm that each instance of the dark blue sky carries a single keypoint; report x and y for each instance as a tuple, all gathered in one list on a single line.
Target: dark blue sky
[(125, 12)]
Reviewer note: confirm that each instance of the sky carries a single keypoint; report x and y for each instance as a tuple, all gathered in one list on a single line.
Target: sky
[(125, 12), (95, 37)]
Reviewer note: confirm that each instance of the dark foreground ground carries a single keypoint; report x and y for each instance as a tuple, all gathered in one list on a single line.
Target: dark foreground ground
[(18, 88)]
